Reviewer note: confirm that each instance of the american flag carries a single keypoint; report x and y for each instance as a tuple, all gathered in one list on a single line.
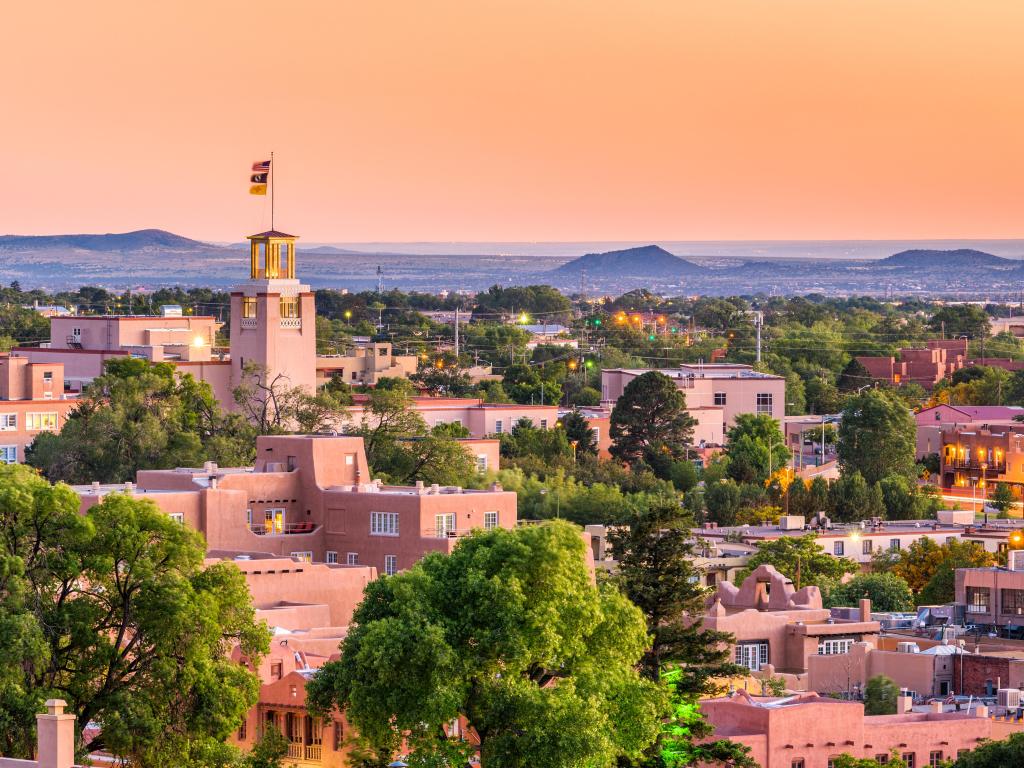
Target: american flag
[(261, 166)]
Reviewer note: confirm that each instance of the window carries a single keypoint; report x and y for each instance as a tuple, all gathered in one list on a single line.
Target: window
[(339, 736), (719, 398), (352, 558), (41, 422), (390, 564), (8, 422), (950, 539), (276, 670), (331, 557), (350, 459), (752, 655), (249, 306), (383, 523), (894, 545), (798, 762), (977, 599), (882, 759), (8, 454), (289, 306), (596, 431), (48, 376), (1011, 602), (178, 517), (838, 548), (481, 463), (543, 423), (490, 520), (303, 557), (444, 525), (832, 762), (242, 730), (834, 646), (76, 332), (935, 758), (908, 758), (498, 427), (764, 402), (866, 546)]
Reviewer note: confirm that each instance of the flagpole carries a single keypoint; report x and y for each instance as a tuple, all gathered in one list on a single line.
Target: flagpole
[(271, 190)]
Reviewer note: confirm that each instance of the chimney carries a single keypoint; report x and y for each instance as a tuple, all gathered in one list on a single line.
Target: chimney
[(904, 702), (55, 736), (435, 488), (865, 609)]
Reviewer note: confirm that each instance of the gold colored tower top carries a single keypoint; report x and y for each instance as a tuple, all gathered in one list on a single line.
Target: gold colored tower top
[(278, 255)]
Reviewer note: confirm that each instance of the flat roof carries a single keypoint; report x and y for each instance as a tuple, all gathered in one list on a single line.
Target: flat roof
[(708, 371), (923, 527)]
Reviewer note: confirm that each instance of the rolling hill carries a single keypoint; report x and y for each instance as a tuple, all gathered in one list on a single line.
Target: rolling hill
[(644, 261), (962, 258)]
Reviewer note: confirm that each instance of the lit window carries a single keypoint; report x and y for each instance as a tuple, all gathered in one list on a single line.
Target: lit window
[(289, 306), (303, 557), (390, 564), (249, 306), (978, 599), (383, 523), (41, 422), (332, 557), (490, 520)]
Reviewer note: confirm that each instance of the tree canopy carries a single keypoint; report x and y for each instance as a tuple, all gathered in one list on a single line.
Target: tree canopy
[(887, 592), (510, 632), (802, 560), (877, 437), (756, 447), (113, 612), (650, 416)]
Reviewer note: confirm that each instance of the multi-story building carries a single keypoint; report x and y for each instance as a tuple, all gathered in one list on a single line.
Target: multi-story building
[(993, 598), (939, 359), (776, 624), (932, 422), (810, 731), (313, 498), (981, 455), (715, 394), (364, 364), (32, 400)]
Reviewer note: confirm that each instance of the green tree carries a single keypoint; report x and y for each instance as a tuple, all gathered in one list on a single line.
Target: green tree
[(887, 592), (650, 416), (654, 552), (930, 568), (723, 502), (756, 448), (140, 415), (443, 376), (849, 761), (853, 377), (1003, 497), (532, 384), (961, 320), (880, 696), (113, 612), (578, 429), (509, 632), (802, 560), (994, 754), (852, 499), (877, 437), (269, 751)]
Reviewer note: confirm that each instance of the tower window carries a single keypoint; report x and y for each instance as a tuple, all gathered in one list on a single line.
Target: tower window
[(248, 306), (289, 306)]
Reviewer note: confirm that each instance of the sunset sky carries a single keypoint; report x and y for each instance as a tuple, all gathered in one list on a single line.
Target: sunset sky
[(517, 120)]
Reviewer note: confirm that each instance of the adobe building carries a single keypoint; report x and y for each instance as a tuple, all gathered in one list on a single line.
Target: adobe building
[(312, 497), (977, 456), (774, 624), (993, 598), (939, 359), (32, 400), (715, 394), (925, 672), (809, 731), (932, 422)]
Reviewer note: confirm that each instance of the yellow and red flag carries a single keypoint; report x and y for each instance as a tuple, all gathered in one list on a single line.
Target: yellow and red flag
[(258, 179)]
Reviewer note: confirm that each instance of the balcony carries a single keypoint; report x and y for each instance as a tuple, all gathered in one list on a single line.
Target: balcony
[(993, 467), (290, 529), (295, 750), (314, 752), (291, 322)]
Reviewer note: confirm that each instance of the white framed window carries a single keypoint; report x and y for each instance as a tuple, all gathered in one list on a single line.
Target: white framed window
[(76, 332), (303, 557), (390, 564), (838, 548), (835, 646), (894, 545), (350, 459), (8, 454), (764, 402), (178, 517), (41, 422), (752, 655), (720, 398), (383, 523), (444, 525), (352, 558), (332, 557), (490, 520), (543, 423), (481, 463), (48, 376), (8, 422), (499, 427), (596, 432)]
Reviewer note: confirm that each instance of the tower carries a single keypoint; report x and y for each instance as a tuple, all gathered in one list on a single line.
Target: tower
[(273, 317)]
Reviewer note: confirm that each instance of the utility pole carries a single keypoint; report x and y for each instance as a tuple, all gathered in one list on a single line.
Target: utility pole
[(758, 321), (456, 334)]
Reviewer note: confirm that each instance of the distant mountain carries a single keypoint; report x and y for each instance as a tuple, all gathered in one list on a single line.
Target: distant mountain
[(644, 261), (140, 240), (962, 258)]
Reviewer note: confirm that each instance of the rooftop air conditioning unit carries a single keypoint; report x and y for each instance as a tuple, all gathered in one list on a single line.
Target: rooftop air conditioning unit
[(1015, 559), (1009, 698), (906, 647)]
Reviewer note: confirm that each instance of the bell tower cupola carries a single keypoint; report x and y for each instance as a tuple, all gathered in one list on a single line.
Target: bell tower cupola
[(272, 256)]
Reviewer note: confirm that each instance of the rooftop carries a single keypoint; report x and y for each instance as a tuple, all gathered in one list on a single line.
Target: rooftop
[(886, 527), (706, 371)]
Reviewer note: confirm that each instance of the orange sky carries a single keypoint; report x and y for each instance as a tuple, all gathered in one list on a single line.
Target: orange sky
[(517, 120)]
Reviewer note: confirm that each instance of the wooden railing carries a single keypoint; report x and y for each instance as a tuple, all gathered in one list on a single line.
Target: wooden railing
[(314, 752)]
